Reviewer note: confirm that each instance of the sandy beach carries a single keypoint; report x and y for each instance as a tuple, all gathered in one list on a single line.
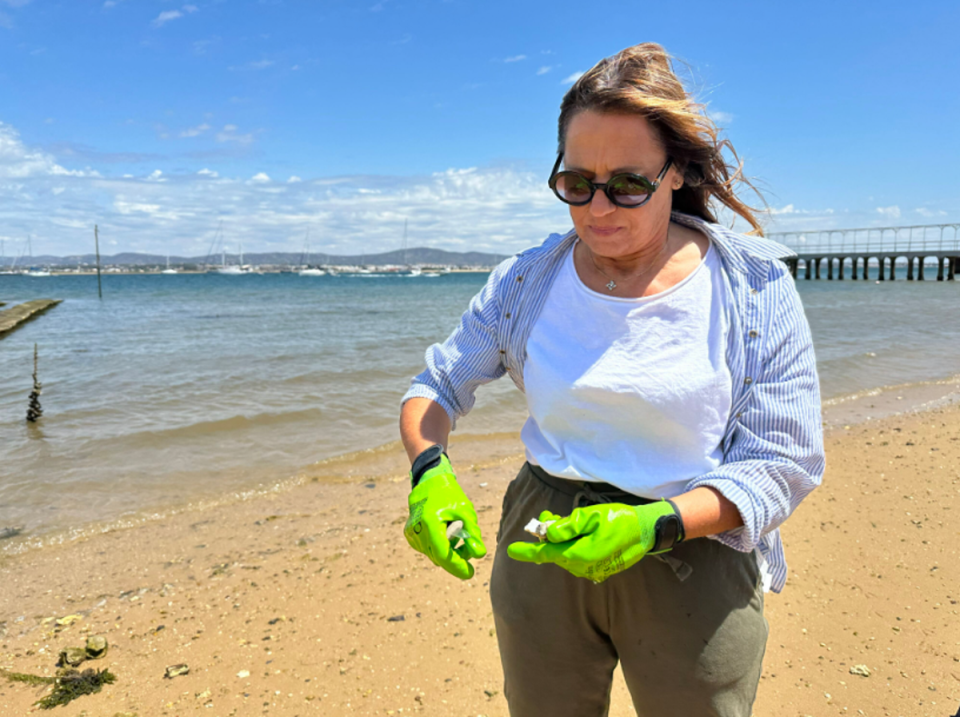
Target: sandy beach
[(308, 600)]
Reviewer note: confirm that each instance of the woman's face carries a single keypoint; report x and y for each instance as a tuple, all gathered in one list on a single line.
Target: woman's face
[(599, 145)]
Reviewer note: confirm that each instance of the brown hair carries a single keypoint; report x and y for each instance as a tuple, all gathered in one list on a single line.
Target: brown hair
[(641, 80)]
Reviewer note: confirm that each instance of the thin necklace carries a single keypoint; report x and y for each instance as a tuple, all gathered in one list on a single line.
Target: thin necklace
[(611, 285)]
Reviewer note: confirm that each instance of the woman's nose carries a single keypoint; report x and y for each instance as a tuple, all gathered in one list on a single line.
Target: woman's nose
[(601, 205)]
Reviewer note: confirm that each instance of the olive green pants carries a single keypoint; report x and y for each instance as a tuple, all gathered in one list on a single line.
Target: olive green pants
[(690, 648)]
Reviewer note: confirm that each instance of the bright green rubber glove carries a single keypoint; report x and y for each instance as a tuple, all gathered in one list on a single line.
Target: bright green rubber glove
[(437, 501), (596, 541)]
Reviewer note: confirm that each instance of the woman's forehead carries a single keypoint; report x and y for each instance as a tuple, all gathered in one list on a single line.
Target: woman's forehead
[(600, 142)]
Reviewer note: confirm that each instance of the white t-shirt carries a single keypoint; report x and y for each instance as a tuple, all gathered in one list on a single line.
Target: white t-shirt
[(633, 392)]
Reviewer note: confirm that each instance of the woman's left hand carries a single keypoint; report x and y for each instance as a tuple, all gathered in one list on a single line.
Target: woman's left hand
[(596, 541)]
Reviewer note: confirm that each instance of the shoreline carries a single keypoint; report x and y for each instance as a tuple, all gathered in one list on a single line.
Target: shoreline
[(839, 413), (309, 601)]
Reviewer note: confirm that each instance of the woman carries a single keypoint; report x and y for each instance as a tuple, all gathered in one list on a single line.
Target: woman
[(673, 397)]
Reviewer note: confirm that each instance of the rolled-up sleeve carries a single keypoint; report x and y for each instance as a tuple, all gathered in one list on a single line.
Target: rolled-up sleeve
[(776, 456), (469, 358)]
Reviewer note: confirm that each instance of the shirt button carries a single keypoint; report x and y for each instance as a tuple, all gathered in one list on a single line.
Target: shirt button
[(753, 291), (753, 333), (507, 314), (739, 415), (519, 279), (748, 380)]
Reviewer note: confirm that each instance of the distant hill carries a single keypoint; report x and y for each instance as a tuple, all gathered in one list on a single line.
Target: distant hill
[(418, 256)]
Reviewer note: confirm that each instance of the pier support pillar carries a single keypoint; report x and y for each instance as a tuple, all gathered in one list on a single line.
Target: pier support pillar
[(883, 263), (939, 268), (866, 260), (840, 268), (909, 268), (853, 272), (921, 261), (816, 264), (807, 270), (893, 266), (951, 268), (830, 268)]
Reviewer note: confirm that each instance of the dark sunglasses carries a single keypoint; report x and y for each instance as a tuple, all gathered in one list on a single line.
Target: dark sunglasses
[(624, 190)]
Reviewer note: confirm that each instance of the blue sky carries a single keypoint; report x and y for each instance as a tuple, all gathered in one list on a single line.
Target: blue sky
[(158, 119)]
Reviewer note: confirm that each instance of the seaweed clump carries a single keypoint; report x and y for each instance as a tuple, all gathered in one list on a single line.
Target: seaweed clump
[(68, 685)]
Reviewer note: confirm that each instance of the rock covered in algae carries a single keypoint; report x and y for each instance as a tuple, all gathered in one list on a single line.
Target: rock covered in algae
[(96, 647), (72, 656)]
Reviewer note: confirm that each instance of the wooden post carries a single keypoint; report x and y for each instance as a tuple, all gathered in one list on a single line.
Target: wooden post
[(807, 269), (883, 264), (893, 266), (922, 259), (853, 271), (866, 260), (939, 268), (909, 268), (96, 239)]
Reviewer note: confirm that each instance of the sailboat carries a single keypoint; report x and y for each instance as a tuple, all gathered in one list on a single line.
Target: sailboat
[(3, 263), (307, 270), (33, 271), (168, 270), (408, 270)]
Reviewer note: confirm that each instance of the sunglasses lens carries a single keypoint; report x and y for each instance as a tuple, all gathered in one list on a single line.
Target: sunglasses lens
[(572, 187), (628, 190)]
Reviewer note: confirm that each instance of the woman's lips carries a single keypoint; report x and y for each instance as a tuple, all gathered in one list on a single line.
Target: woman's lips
[(604, 231)]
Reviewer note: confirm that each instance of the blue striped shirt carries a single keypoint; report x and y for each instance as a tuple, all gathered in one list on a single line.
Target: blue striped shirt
[(773, 446)]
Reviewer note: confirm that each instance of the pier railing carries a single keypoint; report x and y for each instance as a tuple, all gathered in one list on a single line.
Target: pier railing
[(933, 238), (881, 247)]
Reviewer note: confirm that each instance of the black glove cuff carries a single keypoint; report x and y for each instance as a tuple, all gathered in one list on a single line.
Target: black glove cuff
[(668, 530), (428, 458)]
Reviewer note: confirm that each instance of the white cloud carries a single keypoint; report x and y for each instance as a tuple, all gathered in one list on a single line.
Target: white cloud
[(294, 180), (515, 58), (930, 213), (891, 212), (570, 79), (18, 161), (190, 8), (261, 64), (165, 17), (720, 117), (16, 3), (195, 131), (493, 209), (788, 209), (229, 134), (544, 70), (6, 21)]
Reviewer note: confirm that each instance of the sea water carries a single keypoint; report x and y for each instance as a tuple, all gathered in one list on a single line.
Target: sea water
[(179, 388)]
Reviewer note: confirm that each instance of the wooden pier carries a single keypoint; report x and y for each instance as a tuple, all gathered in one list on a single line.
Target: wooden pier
[(21, 313), (826, 254)]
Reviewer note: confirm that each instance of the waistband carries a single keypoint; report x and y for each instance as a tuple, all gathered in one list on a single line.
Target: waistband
[(587, 492)]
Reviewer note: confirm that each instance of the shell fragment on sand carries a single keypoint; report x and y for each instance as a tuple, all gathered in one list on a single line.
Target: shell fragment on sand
[(175, 671)]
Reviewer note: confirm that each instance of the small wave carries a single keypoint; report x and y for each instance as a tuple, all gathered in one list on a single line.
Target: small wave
[(881, 390)]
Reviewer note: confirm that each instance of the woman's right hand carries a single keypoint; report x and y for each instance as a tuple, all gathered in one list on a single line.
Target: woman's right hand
[(435, 502)]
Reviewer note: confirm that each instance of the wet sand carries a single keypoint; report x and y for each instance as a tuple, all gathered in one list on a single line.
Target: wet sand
[(308, 601)]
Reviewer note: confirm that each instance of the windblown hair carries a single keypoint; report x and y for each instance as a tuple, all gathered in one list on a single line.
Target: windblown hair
[(641, 80)]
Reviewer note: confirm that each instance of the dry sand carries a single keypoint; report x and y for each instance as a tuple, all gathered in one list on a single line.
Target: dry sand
[(308, 601)]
